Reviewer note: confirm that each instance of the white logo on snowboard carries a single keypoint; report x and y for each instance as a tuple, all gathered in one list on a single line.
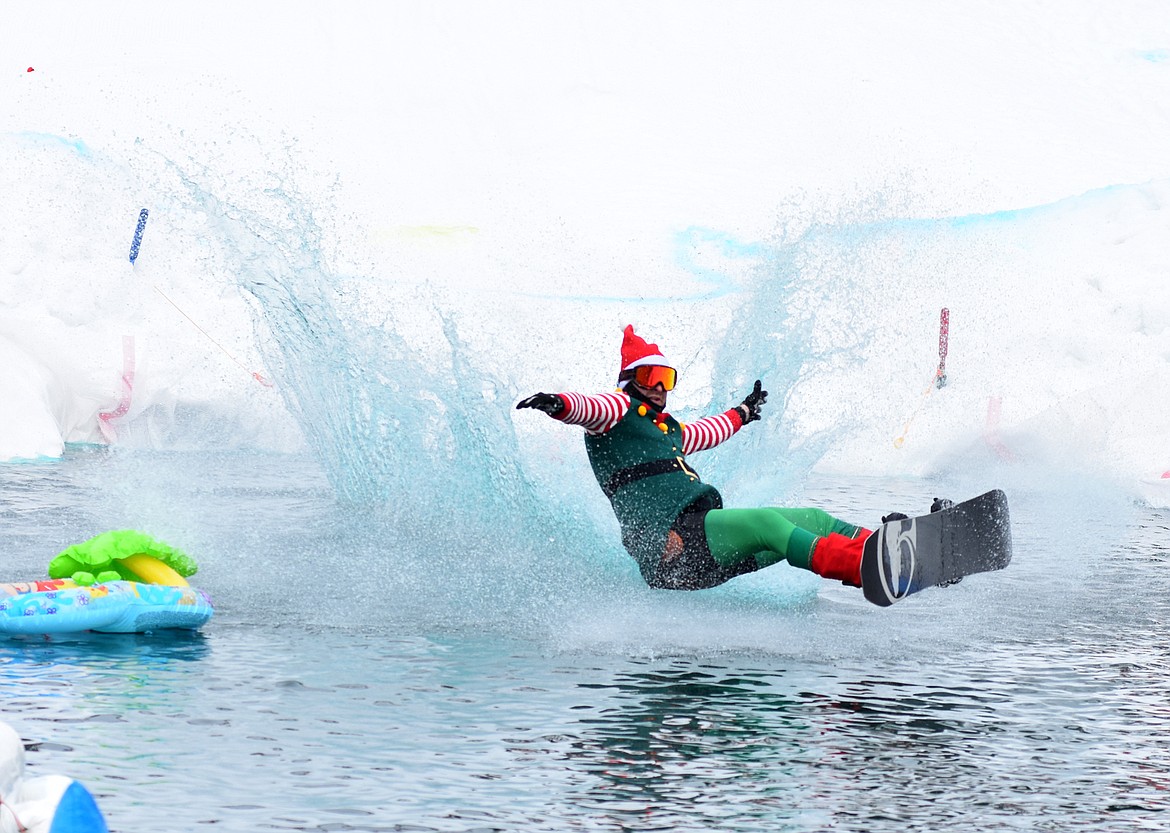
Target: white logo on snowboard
[(898, 556)]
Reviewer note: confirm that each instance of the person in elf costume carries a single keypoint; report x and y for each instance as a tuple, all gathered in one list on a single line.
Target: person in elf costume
[(672, 523)]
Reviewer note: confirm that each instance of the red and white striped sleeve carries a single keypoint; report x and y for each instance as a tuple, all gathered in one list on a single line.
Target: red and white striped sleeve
[(708, 432), (596, 413)]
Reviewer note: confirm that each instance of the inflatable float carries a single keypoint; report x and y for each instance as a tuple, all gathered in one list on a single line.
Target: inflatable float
[(117, 582), (45, 804)]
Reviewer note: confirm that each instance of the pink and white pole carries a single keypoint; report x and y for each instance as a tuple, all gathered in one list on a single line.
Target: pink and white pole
[(105, 418), (944, 335)]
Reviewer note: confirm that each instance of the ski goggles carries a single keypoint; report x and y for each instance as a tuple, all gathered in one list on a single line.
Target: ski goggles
[(650, 375)]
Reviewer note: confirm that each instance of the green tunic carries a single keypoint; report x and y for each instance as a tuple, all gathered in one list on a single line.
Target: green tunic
[(645, 506)]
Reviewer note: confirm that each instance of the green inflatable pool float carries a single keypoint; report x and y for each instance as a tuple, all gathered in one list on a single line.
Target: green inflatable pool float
[(123, 554)]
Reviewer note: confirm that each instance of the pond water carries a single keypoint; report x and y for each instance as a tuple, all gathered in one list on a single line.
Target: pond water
[(356, 678)]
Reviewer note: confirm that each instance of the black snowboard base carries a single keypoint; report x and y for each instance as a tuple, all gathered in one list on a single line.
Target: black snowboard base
[(903, 557)]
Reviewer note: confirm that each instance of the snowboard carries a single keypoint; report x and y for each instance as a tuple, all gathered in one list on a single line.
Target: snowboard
[(903, 557)]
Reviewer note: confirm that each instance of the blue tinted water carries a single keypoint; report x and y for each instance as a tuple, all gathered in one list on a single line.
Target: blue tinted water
[(357, 678)]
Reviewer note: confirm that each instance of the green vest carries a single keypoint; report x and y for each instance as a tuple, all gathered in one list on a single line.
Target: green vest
[(646, 506)]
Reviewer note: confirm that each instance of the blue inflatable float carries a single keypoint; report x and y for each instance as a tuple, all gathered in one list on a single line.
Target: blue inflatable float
[(140, 586), (63, 606)]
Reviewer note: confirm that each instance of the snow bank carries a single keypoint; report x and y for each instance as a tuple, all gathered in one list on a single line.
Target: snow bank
[(665, 165)]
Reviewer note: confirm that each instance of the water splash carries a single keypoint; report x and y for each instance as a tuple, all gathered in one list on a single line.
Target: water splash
[(1154, 56), (797, 324), (386, 420), (689, 245), (36, 138), (413, 433)]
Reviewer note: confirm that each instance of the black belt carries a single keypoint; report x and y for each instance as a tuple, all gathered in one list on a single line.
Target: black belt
[(630, 474)]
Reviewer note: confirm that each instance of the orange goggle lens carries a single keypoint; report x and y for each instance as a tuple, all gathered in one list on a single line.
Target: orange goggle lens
[(650, 375)]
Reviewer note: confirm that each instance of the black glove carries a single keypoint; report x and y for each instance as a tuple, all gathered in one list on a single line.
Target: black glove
[(550, 403), (749, 409)]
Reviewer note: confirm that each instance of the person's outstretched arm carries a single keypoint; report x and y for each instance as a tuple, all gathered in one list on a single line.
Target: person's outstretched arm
[(595, 413), (708, 432)]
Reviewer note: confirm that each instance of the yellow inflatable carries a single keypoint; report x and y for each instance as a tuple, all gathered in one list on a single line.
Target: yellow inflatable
[(149, 569)]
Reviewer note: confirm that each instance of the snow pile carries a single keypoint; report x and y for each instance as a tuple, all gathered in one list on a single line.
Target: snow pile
[(709, 176)]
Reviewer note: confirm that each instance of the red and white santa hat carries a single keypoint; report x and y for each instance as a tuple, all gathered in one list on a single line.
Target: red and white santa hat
[(636, 352)]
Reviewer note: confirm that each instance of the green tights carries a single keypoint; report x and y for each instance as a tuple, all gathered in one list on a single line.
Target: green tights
[(770, 534)]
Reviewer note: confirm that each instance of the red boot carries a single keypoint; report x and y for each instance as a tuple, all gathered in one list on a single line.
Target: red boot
[(839, 557)]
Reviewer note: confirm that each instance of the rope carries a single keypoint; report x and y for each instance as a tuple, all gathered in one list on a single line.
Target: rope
[(925, 394), (940, 376), (254, 374)]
